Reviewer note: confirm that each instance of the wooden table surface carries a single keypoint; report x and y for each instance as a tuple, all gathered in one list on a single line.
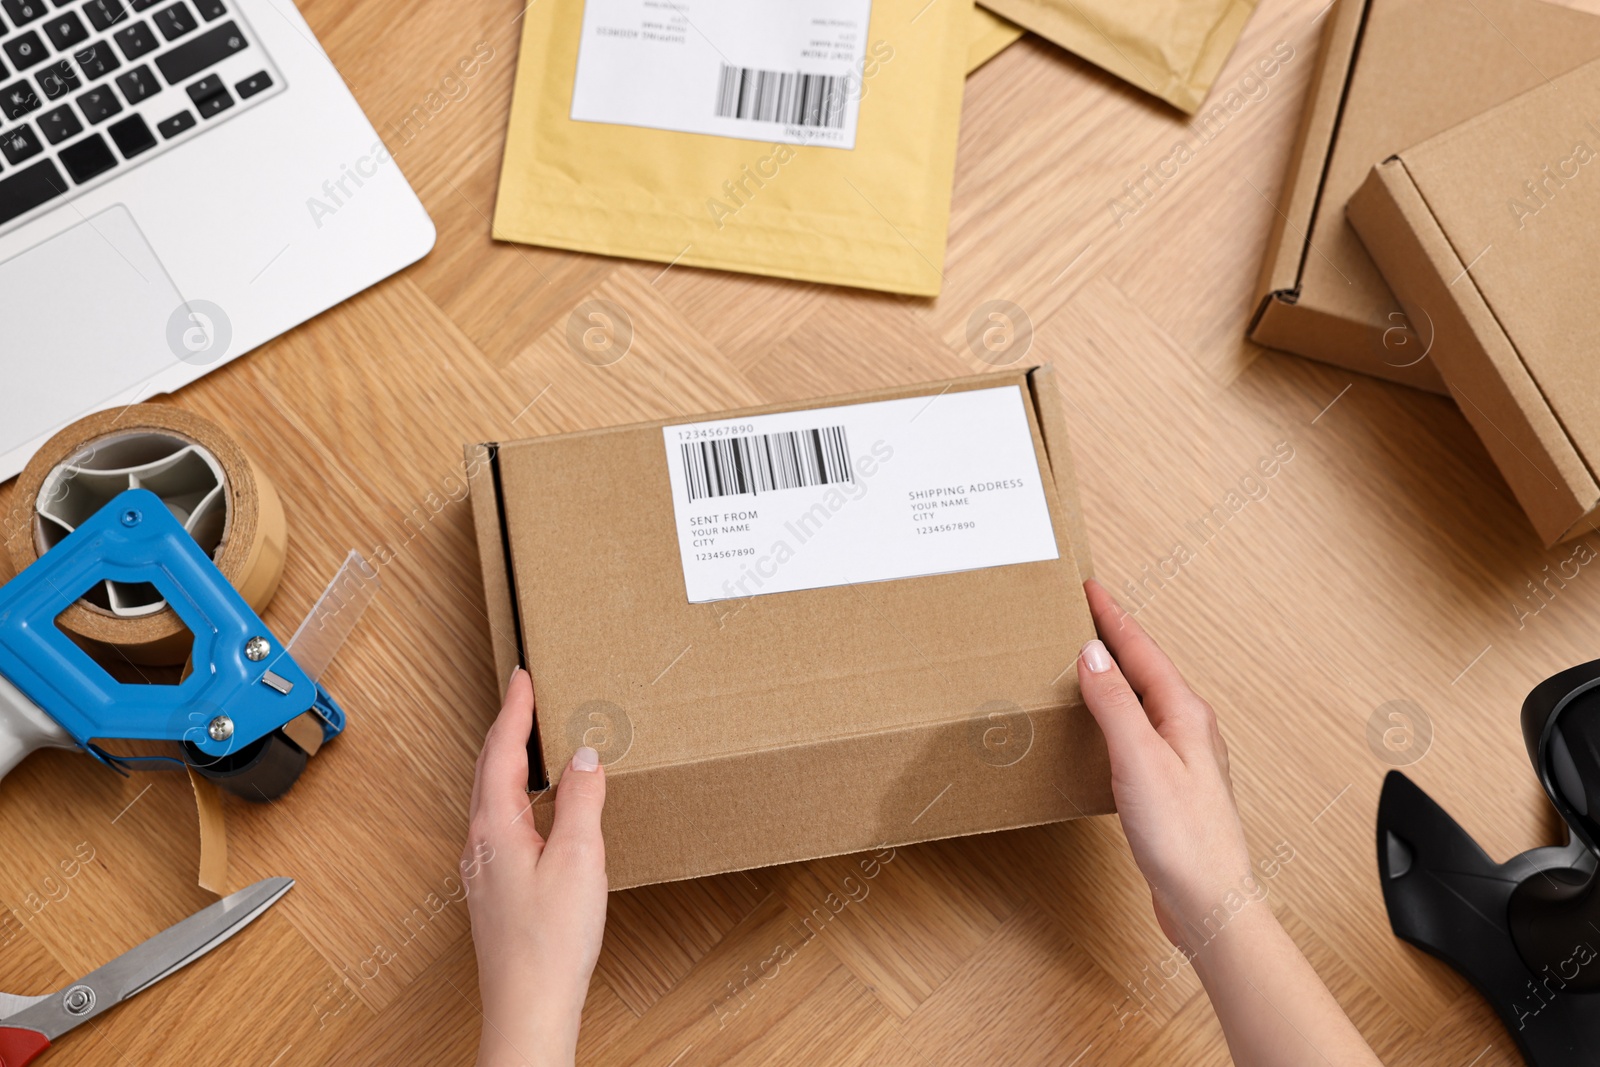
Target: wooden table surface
[(1385, 562)]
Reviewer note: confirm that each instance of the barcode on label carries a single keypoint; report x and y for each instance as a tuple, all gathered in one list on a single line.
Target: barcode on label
[(760, 463), (789, 97)]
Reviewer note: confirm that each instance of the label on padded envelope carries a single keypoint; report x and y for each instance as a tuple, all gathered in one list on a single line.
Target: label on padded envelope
[(769, 70), (857, 493)]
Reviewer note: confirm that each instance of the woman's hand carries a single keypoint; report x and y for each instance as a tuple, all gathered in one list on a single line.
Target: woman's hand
[(538, 907), (1169, 771)]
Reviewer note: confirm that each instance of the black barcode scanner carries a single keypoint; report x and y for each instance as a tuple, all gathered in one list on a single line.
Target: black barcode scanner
[(1525, 932)]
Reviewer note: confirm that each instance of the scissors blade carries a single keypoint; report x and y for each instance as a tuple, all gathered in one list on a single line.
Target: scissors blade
[(143, 966)]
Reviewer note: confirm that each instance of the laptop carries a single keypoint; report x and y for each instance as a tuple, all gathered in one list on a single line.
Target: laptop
[(180, 181)]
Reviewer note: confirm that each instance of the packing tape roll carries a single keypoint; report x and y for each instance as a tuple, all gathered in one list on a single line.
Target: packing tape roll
[(221, 496)]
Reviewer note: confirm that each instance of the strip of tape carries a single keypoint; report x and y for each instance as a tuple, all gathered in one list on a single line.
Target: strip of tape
[(213, 834)]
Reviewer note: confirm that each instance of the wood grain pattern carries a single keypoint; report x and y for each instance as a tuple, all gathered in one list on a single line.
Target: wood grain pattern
[(1385, 561)]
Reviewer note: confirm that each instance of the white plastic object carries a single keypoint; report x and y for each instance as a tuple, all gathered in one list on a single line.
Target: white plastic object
[(186, 476), (25, 727)]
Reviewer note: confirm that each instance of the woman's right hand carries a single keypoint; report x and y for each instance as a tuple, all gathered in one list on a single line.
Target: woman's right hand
[(1169, 771), (538, 907)]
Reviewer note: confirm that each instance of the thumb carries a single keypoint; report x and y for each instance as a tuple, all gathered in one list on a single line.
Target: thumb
[(1132, 742), (580, 795)]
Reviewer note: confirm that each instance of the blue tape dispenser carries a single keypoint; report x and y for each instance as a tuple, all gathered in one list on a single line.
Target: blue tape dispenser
[(247, 714)]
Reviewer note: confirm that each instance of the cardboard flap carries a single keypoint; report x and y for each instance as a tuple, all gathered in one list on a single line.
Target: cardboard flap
[(1287, 246), (998, 770)]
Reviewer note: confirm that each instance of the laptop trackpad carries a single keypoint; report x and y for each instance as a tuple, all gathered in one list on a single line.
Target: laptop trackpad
[(85, 321)]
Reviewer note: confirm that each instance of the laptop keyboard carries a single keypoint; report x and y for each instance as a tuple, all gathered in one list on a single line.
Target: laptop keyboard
[(90, 88)]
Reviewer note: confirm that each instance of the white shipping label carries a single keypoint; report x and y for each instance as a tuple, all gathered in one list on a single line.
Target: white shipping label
[(781, 71), (857, 493)]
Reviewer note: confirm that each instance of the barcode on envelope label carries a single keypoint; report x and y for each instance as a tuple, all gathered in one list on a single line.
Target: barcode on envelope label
[(790, 97), (761, 463)]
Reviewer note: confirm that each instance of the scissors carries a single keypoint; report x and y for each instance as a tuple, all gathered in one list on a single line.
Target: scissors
[(29, 1024)]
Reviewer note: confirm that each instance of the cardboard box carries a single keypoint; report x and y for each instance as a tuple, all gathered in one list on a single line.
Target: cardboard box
[(785, 726), (1391, 73), (1488, 231)]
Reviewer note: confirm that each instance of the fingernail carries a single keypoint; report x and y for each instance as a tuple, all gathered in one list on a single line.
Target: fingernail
[(585, 759), (1095, 657), (514, 672)]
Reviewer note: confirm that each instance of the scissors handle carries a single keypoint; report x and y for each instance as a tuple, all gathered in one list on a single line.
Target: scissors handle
[(18, 1047)]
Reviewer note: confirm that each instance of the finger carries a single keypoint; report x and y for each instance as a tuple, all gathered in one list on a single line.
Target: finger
[(580, 795), (500, 790), (483, 750), (1141, 660), (1176, 711), (1132, 742), (477, 773)]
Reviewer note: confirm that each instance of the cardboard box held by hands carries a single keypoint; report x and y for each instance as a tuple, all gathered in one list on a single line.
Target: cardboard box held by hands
[(803, 629)]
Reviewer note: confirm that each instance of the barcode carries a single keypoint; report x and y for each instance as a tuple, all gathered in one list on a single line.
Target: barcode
[(790, 97), (760, 463)]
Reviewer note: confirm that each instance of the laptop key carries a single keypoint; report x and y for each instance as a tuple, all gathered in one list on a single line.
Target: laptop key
[(98, 105), (210, 96), (104, 14), (254, 84), (176, 124), (27, 189), (20, 143), (137, 84), (87, 158), (193, 56), (97, 60), (26, 50), (135, 41), (210, 85), (214, 105), (23, 12), (65, 29), (57, 80), (174, 21), (60, 124), (132, 136), (211, 10), (17, 99)]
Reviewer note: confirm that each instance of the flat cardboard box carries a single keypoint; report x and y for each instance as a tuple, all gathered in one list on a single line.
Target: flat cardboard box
[(1391, 73), (1488, 231), (783, 727)]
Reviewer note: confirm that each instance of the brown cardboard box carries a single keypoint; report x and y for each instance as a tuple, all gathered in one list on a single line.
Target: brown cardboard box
[(1488, 232), (783, 727), (1391, 73)]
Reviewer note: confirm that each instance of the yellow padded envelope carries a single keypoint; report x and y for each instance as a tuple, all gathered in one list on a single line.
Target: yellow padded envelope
[(989, 35), (874, 215), (1173, 49)]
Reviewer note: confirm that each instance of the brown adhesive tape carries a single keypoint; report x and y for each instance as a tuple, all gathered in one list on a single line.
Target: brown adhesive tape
[(172, 452), (213, 834)]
